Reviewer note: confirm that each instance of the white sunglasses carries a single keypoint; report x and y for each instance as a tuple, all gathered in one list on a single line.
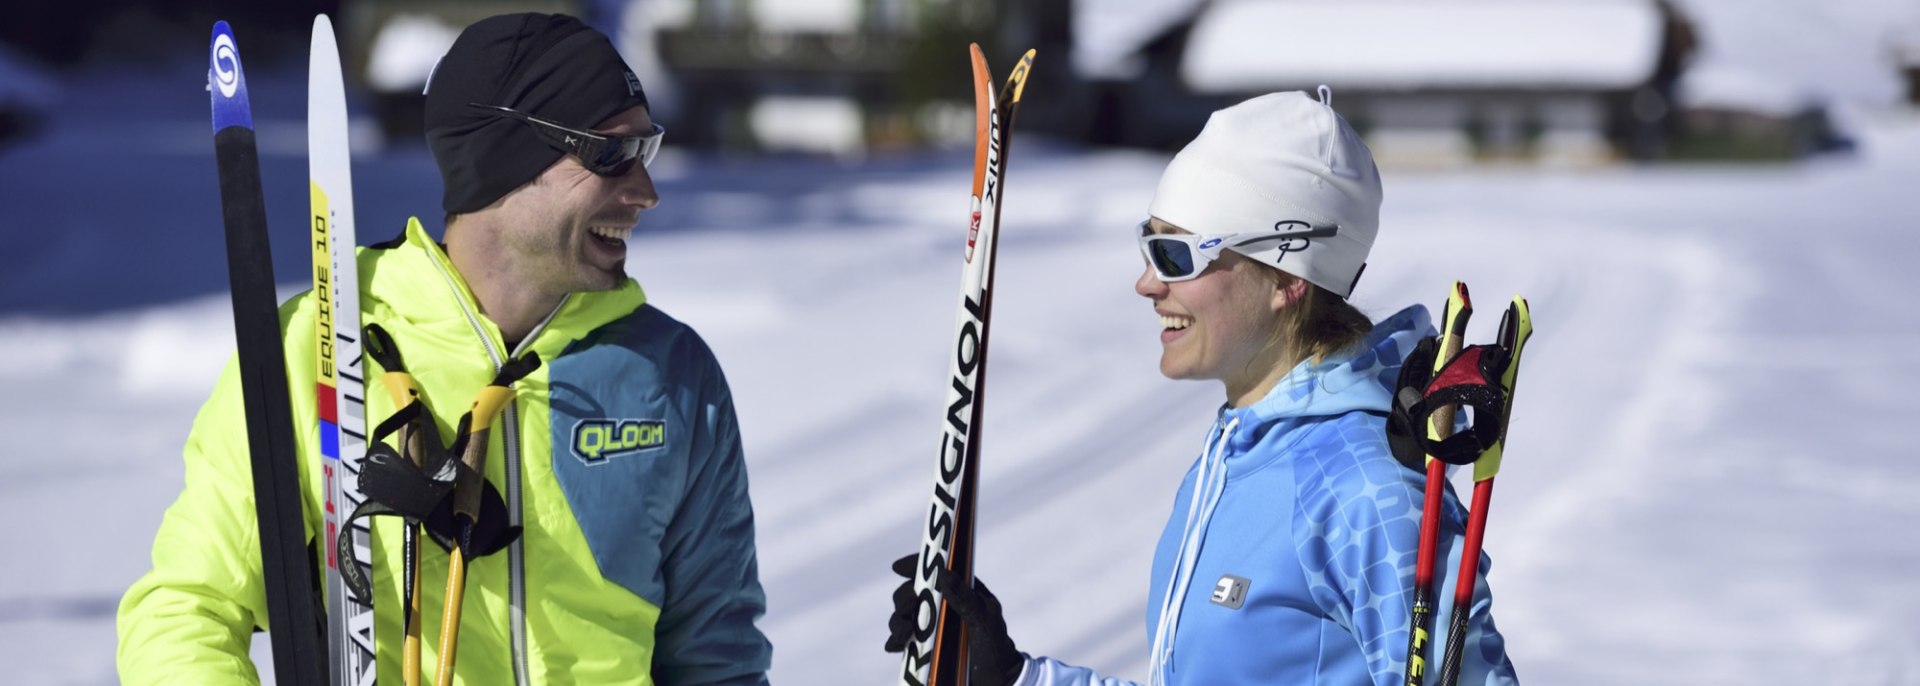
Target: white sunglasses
[(1183, 256)]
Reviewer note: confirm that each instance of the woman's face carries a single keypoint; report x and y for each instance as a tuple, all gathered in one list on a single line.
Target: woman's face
[(1219, 325)]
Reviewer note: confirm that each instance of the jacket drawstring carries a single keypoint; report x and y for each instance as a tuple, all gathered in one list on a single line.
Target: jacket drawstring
[(1208, 485)]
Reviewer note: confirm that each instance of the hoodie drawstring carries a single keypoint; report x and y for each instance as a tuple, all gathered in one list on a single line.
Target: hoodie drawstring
[(1208, 485)]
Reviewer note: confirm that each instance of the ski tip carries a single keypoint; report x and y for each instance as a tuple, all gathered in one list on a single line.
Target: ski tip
[(226, 83), (323, 41), (1019, 77)]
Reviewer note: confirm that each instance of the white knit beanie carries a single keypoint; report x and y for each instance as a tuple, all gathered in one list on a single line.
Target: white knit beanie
[(1280, 162)]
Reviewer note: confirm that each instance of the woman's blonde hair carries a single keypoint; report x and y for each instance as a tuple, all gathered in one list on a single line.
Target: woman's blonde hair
[(1319, 323)]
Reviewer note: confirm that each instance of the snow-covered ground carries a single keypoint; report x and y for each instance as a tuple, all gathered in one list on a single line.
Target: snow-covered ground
[(1708, 477)]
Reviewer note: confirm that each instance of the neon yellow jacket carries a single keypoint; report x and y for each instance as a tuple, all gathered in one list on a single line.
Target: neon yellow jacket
[(635, 566)]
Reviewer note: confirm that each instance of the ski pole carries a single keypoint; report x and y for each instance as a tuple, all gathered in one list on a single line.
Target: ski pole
[(1515, 328), (401, 387), (1452, 337), (467, 491)]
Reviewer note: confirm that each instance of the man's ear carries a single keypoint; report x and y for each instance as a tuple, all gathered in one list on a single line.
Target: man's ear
[(1290, 290)]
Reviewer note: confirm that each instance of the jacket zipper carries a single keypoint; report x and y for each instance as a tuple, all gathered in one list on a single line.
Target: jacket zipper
[(510, 444)]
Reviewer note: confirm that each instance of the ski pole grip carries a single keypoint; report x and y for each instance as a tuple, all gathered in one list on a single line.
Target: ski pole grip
[(1452, 338)]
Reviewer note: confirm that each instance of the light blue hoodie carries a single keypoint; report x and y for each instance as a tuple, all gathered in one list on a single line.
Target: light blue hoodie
[(1295, 564)]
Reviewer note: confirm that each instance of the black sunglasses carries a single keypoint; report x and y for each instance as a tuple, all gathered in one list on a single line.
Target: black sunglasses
[(600, 153)]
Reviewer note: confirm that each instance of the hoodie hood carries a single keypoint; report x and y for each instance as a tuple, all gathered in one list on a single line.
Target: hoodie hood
[(1361, 378)]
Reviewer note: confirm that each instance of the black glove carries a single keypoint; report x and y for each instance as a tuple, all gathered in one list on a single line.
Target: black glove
[(992, 660)]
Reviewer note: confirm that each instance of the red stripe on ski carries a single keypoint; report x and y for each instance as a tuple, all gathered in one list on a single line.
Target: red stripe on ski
[(328, 406)]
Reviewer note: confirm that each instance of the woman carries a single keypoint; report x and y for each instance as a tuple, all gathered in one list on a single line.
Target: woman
[(1288, 558)]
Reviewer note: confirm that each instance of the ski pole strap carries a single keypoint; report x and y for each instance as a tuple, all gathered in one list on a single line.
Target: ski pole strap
[(378, 344), (359, 587), (400, 418), (429, 481), (475, 429), (1471, 379), (1516, 327)]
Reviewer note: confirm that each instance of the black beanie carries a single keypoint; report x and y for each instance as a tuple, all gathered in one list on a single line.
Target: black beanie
[(551, 66)]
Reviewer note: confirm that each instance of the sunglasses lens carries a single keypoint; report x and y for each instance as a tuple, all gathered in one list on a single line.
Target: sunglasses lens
[(613, 159), (617, 168), (1171, 258), (649, 147), (619, 158)]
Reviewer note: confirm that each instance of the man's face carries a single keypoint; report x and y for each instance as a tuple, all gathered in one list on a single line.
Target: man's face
[(566, 230)]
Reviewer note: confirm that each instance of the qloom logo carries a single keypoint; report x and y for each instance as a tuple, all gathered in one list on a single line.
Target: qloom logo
[(597, 440)]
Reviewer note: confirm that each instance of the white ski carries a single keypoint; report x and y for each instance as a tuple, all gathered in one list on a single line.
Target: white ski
[(341, 390)]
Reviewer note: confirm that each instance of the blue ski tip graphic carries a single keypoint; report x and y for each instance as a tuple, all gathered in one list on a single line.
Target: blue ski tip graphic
[(226, 82)]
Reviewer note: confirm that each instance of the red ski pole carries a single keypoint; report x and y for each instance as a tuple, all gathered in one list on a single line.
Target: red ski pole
[(1452, 336), (1515, 328)]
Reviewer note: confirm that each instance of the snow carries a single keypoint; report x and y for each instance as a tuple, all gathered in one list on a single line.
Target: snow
[(1729, 88), (779, 16), (405, 51), (1109, 33), (1254, 46), (1838, 50), (826, 16), (820, 124), (1833, 50)]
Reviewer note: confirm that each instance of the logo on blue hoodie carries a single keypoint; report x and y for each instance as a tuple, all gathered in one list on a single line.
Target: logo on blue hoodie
[(1231, 591)]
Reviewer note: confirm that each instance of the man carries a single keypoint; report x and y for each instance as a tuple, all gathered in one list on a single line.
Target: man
[(635, 560)]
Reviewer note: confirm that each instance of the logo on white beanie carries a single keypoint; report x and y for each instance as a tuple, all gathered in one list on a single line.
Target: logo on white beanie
[(1286, 163)]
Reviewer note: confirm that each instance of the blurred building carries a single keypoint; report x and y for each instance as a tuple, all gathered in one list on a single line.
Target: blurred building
[(1729, 113), (832, 76), (1427, 82)]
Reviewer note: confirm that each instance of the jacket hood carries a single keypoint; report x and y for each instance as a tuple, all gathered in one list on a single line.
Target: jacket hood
[(1360, 378)]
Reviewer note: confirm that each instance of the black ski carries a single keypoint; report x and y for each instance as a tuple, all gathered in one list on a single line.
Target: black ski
[(293, 603)]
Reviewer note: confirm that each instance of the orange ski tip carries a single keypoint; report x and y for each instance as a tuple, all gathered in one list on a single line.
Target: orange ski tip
[(982, 116)]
